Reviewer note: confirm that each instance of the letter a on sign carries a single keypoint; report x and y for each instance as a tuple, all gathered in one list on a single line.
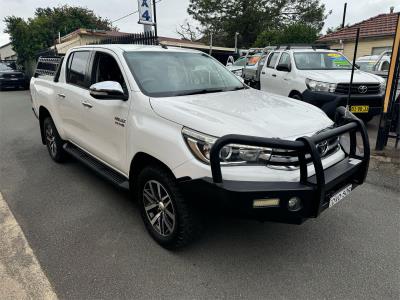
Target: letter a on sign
[(145, 12)]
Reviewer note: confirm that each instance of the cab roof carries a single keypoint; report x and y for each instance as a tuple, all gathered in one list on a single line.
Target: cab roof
[(131, 48)]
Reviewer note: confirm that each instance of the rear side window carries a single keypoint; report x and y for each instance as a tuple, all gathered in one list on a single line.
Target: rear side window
[(272, 60), (76, 68)]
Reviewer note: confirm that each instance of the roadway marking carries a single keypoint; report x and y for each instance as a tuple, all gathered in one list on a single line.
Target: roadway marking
[(21, 276)]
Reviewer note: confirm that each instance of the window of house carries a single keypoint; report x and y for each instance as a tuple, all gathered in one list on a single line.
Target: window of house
[(379, 50)]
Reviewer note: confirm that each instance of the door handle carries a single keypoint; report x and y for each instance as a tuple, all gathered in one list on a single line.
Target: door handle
[(87, 104), (61, 95), (273, 75), (263, 72)]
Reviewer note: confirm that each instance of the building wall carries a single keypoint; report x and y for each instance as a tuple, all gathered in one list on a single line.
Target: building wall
[(365, 46), (6, 52), (79, 40)]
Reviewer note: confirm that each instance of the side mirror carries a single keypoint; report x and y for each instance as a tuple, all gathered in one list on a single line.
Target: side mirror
[(357, 66), (229, 64), (108, 90), (283, 68)]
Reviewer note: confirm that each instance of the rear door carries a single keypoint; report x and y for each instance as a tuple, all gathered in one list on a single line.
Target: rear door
[(107, 120), (268, 75), (283, 79), (71, 93)]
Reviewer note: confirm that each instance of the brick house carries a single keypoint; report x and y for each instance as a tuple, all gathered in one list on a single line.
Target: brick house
[(376, 35)]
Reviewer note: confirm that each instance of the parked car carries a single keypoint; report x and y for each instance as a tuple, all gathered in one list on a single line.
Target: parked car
[(10, 77), (374, 63), (322, 77), (236, 66), (181, 131), (256, 58)]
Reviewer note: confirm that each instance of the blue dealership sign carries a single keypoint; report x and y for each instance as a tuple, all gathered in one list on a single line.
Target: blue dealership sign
[(145, 8)]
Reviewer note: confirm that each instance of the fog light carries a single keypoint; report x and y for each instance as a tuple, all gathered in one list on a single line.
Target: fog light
[(294, 204), (270, 202)]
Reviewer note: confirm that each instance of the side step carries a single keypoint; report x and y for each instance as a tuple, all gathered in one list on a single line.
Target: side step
[(104, 171)]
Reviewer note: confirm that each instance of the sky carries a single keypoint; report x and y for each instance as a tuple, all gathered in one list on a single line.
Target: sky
[(171, 13)]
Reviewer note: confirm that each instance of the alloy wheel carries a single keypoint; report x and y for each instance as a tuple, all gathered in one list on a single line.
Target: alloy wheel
[(159, 208), (51, 140)]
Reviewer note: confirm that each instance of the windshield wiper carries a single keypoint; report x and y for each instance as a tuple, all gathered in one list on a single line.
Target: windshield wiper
[(202, 91)]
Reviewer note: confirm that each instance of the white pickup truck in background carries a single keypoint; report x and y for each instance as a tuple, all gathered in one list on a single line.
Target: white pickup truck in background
[(181, 131), (322, 77)]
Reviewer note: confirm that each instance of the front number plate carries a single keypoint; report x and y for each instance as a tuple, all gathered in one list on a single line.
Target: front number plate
[(340, 195), (359, 109)]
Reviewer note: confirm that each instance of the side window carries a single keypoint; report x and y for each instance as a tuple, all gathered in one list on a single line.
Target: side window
[(385, 66), (76, 68), (105, 68), (261, 63), (285, 59), (272, 60)]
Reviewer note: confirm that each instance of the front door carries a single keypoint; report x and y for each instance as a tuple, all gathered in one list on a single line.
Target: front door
[(268, 79), (107, 120)]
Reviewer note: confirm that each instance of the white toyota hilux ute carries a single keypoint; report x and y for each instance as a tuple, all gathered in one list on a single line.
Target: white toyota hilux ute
[(185, 135), (322, 77)]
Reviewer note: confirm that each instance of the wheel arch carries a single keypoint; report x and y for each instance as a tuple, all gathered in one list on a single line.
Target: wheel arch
[(141, 160), (43, 114), (295, 92)]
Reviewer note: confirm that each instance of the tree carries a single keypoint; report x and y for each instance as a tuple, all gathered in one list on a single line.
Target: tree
[(37, 33), (188, 32), (251, 17), (299, 33)]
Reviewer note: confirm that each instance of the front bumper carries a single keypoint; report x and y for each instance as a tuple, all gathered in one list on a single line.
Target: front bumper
[(328, 102), (12, 83), (314, 191)]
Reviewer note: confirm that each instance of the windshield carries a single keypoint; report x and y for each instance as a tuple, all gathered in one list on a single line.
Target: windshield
[(165, 74), (240, 62), (5, 67), (321, 61)]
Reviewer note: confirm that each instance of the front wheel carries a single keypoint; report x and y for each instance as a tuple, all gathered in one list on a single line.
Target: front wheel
[(169, 219)]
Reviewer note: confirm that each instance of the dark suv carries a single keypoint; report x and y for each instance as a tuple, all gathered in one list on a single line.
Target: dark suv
[(10, 77)]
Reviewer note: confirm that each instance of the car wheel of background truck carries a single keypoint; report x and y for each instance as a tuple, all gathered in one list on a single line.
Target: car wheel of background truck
[(54, 142), (168, 218)]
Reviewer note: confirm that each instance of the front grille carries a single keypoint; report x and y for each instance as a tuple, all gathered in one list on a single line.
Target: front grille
[(358, 88), (288, 159)]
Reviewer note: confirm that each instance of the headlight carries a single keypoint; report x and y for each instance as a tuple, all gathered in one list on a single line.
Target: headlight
[(382, 87), (238, 72), (319, 86), (200, 145)]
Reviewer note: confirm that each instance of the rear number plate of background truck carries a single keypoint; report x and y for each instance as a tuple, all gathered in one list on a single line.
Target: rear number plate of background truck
[(359, 109), (340, 195)]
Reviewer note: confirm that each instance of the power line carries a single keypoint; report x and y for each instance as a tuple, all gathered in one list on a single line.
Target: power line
[(130, 14)]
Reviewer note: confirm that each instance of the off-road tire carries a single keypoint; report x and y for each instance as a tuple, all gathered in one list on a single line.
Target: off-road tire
[(187, 225)]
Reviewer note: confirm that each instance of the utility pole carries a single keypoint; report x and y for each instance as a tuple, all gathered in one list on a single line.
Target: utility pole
[(211, 42), (155, 18), (236, 45), (344, 15)]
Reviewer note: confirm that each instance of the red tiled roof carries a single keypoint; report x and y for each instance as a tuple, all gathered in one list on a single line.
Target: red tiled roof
[(380, 25)]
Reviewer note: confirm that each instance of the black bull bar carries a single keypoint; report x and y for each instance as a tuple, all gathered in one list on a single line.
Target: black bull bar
[(320, 185)]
